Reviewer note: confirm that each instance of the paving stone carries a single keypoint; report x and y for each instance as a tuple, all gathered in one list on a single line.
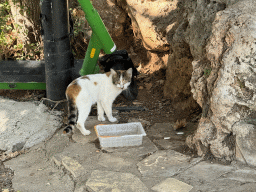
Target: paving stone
[(75, 168), (114, 181), (172, 185), (137, 152), (246, 187), (151, 181), (205, 172), (163, 164), (56, 144), (34, 173), (242, 175), (112, 162), (86, 155)]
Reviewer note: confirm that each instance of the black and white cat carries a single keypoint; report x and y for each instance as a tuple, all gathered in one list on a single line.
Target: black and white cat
[(87, 90)]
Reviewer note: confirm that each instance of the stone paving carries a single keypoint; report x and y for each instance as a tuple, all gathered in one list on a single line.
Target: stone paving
[(60, 165)]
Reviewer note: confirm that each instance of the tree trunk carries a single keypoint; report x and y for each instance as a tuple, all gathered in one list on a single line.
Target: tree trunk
[(26, 14)]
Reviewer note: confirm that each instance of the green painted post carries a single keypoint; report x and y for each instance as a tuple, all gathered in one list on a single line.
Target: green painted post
[(100, 39), (91, 56)]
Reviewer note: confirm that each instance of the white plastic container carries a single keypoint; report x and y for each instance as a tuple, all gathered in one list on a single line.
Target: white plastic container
[(120, 135)]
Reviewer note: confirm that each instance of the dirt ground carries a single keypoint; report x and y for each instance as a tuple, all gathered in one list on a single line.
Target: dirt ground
[(157, 110)]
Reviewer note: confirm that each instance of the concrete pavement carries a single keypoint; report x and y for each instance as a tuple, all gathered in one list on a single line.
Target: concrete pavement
[(59, 165)]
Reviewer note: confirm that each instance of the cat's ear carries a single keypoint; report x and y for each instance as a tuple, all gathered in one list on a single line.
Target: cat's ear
[(129, 72), (113, 72)]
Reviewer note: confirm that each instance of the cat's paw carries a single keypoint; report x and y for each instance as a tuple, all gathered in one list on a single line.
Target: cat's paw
[(112, 119), (101, 118), (85, 132)]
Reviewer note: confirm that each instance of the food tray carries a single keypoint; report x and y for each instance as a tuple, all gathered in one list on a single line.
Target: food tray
[(120, 135)]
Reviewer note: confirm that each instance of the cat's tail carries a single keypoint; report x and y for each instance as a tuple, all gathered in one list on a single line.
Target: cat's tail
[(72, 118)]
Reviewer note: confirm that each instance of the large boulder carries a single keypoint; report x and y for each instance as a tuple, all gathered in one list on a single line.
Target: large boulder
[(25, 124), (188, 39), (224, 85), (150, 22)]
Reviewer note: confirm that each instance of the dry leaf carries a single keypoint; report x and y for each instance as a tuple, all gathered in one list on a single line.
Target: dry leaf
[(180, 124)]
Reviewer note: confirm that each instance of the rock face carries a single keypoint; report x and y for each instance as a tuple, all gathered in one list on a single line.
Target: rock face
[(224, 86), (188, 39)]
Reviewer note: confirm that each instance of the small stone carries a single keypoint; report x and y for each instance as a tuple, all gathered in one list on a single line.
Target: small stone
[(172, 185), (112, 162), (206, 172)]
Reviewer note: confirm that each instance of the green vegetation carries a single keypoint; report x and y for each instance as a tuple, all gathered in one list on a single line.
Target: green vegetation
[(5, 28), (240, 83), (14, 41), (207, 72)]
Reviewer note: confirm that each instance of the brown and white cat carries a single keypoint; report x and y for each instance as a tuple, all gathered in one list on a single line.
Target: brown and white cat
[(87, 90)]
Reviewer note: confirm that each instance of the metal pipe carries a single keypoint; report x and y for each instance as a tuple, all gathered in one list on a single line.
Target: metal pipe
[(91, 57), (57, 54), (100, 39), (98, 27)]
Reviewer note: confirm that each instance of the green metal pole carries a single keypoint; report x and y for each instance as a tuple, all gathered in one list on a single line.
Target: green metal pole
[(100, 39), (97, 25), (91, 56), (22, 86)]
